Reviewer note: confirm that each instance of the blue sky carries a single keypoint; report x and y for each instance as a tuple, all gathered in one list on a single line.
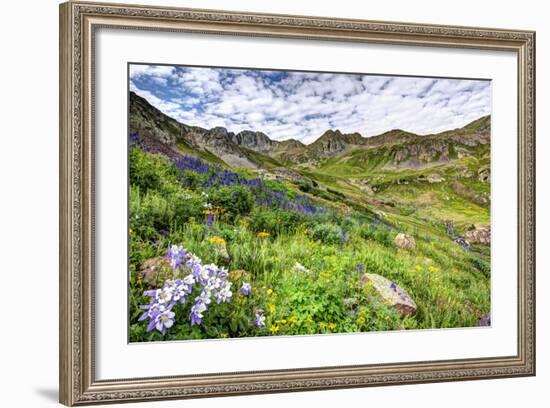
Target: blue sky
[(303, 105)]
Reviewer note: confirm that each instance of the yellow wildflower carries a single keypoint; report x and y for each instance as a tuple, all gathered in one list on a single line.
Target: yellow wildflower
[(269, 291), (418, 267), (292, 319), (432, 268), (263, 234), (217, 241), (224, 335), (271, 307), (274, 329), (322, 325), (331, 326)]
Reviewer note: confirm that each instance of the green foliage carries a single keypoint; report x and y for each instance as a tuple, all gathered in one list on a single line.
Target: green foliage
[(275, 222), (305, 277), (379, 233), (235, 200), (149, 171), (327, 233)]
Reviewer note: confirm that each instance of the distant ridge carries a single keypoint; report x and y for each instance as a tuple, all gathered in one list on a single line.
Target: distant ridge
[(254, 149)]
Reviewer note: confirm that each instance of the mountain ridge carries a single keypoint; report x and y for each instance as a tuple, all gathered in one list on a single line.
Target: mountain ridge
[(252, 149)]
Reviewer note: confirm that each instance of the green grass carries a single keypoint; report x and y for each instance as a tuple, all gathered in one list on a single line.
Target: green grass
[(305, 271)]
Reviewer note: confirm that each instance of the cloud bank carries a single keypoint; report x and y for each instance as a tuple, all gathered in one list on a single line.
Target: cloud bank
[(302, 105)]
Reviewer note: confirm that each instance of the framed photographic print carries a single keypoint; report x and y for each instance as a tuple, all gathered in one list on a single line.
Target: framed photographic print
[(266, 203)]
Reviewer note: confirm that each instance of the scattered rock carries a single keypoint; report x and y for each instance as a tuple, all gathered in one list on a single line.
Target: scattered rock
[(154, 270), (479, 234), (464, 243), (298, 267), (405, 241), (485, 320), (484, 174), (237, 274), (283, 173), (380, 213), (393, 295), (435, 178), (366, 189), (224, 255)]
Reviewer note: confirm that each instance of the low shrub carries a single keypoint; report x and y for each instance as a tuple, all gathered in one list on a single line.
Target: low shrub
[(327, 233), (378, 233)]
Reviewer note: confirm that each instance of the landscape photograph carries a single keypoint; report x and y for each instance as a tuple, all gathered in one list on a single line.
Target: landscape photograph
[(277, 202)]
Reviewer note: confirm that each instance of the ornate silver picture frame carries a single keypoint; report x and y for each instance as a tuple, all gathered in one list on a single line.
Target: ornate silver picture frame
[(79, 22)]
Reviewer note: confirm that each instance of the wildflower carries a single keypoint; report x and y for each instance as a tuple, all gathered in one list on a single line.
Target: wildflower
[(322, 325), (164, 321), (260, 320), (224, 294), (359, 268), (176, 256), (274, 329), (292, 319), (217, 241), (152, 311), (271, 307), (418, 268), (331, 326), (246, 288), (432, 268), (197, 313), (269, 292), (263, 234)]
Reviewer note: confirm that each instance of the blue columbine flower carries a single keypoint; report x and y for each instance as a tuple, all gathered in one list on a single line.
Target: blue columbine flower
[(259, 321), (246, 288), (176, 256), (164, 321)]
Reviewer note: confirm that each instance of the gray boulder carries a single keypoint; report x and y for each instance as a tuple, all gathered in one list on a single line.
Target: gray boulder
[(393, 295)]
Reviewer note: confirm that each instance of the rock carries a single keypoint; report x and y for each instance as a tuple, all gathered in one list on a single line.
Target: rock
[(480, 234), (238, 274), (283, 173), (224, 255), (393, 295), (484, 174), (366, 189), (435, 178), (485, 320), (405, 241), (464, 243), (154, 270), (298, 267)]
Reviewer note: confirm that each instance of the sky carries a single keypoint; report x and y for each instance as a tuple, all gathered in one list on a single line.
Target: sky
[(303, 105)]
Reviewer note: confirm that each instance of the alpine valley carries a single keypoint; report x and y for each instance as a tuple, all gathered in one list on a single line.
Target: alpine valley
[(348, 233)]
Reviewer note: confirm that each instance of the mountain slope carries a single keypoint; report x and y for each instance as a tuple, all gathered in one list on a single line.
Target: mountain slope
[(332, 151)]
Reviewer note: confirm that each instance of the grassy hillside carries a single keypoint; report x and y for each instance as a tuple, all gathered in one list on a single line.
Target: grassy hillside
[(304, 239)]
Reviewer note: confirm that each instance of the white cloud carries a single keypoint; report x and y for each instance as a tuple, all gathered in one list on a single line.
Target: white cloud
[(303, 105)]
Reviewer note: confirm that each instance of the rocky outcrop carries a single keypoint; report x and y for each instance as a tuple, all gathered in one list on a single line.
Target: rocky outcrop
[(392, 294), (479, 234), (402, 149), (154, 271), (404, 241), (256, 141)]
